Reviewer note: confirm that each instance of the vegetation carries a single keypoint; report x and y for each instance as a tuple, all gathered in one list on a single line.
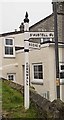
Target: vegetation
[(0, 95), (12, 104), (0, 87)]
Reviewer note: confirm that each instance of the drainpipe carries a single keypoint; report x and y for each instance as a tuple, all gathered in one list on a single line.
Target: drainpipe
[(56, 49)]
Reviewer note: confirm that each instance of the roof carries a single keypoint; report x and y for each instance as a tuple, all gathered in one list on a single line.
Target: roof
[(10, 33), (41, 21), (18, 32)]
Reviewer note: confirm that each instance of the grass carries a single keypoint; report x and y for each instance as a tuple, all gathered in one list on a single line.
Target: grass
[(0, 90), (0, 87), (0, 98), (12, 104)]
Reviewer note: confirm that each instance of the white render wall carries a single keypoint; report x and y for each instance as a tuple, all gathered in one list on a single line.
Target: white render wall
[(39, 56), (1, 56), (46, 56), (9, 65), (61, 61)]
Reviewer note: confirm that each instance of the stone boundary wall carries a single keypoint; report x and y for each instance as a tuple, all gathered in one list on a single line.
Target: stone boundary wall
[(46, 108)]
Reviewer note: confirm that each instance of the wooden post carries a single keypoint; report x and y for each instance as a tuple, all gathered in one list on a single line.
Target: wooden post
[(56, 49)]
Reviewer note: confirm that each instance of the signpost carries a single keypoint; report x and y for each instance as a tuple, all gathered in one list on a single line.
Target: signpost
[(28, 45), (26, 50), (41, 34), (34, 45)]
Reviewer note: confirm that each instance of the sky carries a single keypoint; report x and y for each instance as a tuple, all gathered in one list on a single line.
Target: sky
[(12, 12)]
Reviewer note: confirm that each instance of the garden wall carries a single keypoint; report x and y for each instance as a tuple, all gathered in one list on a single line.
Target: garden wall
[(46, 108)]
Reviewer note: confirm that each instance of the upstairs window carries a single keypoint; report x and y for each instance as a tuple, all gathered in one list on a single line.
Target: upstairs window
[(9, 47), (62, 73), (46, 39)]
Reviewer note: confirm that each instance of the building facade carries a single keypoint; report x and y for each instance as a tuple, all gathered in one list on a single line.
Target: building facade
[(41, 55)]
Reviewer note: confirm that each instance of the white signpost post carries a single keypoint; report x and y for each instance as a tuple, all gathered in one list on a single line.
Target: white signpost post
[(27, 45), (26, 50)]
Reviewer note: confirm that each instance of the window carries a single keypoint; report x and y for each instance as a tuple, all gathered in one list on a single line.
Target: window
[(62, 67), (11, 76), (46, 39), (37, 73), (61, 73), (9, 47)]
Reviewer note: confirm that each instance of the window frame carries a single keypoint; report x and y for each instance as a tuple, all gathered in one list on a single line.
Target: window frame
[(37, 81), (61, 71), (14, 76), (10, 46)]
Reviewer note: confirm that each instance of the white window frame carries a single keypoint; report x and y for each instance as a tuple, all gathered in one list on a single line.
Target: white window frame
[(9, 55), (37, 81), (61, 79), (14, 76)]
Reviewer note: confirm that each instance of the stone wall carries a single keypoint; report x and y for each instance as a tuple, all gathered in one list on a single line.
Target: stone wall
[(46, 108)]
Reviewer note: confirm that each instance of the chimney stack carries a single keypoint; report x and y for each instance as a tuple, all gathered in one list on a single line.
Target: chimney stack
[(22, 27)]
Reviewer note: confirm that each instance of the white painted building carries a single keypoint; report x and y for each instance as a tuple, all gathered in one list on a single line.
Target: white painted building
[(42, 70)]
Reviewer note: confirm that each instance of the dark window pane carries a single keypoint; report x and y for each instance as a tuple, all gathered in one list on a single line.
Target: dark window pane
[(61, 75), (62, 67), (9, 42), (40, 76), (9, 50), (46, 39), (35, 76), (35, 68), (12, 78), (39, 67), (9, 77)]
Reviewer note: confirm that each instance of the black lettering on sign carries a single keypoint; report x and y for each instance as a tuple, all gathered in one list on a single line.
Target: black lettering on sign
[(27, 73)]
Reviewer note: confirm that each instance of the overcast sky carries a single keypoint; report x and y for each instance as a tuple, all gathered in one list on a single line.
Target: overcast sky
[(12, 13)]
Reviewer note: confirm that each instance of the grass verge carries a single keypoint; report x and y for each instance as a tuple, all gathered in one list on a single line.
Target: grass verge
[(12, 104)]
